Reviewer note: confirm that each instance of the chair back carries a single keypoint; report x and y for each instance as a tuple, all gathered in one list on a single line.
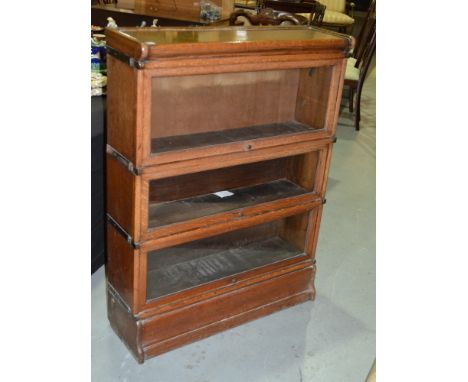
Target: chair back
[(364, 33), (368, 51), (266, 16), (314, 8), (335, 5)]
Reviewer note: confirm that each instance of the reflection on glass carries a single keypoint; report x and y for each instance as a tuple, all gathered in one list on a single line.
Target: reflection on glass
[(224, 108), (241, 35), (188, 265)]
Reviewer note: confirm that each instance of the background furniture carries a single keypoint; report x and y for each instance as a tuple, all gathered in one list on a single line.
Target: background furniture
[(358, 65), (338, 14), (219, 143), (98, 214), (103, 2), (364, 32), (168, 12), (266, 16), (361, 5), (134, 17), (276, 12), (310, 9), (355, 76)]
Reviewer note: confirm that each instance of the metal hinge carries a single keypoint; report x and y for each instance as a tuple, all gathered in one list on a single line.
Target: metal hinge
[(334, 139), (120, 158), (124, 58), (122, 232)]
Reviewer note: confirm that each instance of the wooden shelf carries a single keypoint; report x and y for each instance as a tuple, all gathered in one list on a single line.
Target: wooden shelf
[(200, 262), (190, 141), (161, 214)]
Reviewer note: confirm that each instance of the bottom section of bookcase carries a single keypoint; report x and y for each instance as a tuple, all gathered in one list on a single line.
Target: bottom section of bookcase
[(157, 334)]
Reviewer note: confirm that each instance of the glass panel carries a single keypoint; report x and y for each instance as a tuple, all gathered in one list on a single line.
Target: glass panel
[(186, 197), (188, 265), (206, 110)]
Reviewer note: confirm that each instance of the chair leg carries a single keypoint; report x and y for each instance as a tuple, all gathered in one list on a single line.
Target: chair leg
[(357, 117), (351, 99), (358, 107)]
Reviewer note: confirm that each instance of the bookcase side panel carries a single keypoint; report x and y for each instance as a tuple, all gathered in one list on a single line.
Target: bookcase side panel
[(120, 267), (125, 325), (121, 193), (121, 107), (315, 219), (336, 91)]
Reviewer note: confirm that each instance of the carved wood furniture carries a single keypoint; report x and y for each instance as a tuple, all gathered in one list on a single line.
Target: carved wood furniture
[(219, 142), (312, 10), (266, 16), (339, 14)]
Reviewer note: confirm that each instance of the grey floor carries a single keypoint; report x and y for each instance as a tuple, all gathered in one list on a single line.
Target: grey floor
[(329, 340)]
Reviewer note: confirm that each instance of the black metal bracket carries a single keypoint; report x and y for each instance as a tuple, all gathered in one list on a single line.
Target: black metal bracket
[(123, 160), (124, 58), (324, 201), (122, 232), (334, 139)]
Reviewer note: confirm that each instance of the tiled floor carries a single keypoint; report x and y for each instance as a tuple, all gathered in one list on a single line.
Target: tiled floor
[(329, 340)]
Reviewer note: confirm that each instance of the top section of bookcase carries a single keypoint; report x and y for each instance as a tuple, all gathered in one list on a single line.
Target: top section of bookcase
[(146, 44)]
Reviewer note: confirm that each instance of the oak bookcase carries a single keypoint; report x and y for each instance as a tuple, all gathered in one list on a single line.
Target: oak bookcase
[(219, 143)]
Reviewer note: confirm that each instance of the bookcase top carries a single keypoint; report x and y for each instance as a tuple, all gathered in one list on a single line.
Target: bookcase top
[(152, 43)]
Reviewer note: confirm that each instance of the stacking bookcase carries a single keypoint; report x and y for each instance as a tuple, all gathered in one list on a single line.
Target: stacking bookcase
[(219, 143)]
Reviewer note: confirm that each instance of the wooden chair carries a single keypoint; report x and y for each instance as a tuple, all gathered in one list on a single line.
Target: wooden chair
[(339, 14), (361, 41), (363, 33), (335, 13), (266, 16), (356, 72), (310, 9)]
